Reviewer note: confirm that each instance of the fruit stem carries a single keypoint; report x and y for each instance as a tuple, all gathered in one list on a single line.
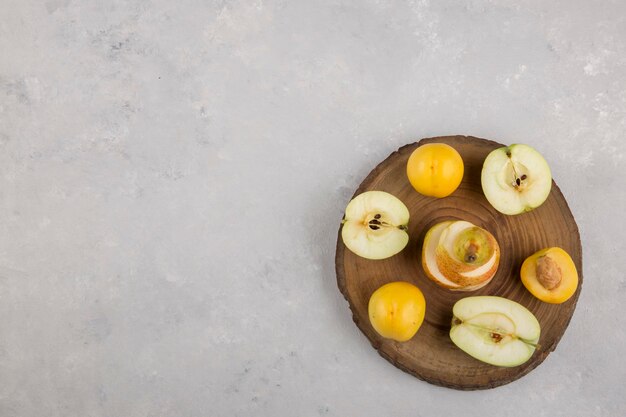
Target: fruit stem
[(535, 345)]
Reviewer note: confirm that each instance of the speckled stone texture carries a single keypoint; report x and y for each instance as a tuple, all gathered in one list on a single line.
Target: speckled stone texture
[(173, 173)]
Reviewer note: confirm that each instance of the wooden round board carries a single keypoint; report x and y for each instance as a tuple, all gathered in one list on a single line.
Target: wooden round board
[(430, 355)]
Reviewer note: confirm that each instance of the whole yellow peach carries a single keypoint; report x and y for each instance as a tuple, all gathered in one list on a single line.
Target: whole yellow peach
[(435, 169), (396, 310)]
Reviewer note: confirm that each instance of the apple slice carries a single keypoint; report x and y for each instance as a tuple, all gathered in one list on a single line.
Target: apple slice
[(460, 256), (375, 225), (494, 330), (516, 179)]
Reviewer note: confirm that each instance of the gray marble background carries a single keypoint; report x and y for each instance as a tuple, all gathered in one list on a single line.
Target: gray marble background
[(172, 175)]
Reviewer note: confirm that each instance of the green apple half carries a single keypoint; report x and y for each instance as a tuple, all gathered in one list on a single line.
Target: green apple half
[(375, 225), (516, 179), (494, 330), (460, 256)]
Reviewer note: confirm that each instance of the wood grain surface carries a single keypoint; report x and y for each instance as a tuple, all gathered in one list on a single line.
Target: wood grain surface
[(430, 355)]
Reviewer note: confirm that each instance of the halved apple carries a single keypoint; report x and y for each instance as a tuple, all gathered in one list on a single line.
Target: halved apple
[(460, 256), (375, 225), (494, 330), (516, 179)]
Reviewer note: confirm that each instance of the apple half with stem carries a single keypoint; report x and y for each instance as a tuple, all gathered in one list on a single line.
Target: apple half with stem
[(375, 225), (516, 179), (460, 256), (495, 330)]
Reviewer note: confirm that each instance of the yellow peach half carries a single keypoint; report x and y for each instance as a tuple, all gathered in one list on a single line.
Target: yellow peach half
[(550, 275)]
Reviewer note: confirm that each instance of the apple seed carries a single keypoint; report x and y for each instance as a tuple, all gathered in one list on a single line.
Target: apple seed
[(497, 337)]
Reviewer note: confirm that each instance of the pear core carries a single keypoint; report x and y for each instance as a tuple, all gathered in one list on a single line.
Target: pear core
[(460, 256)]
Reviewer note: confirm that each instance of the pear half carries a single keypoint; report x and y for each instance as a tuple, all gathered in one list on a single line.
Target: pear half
[(460, 256), (494, 330), (516, 179), (375, 225)]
